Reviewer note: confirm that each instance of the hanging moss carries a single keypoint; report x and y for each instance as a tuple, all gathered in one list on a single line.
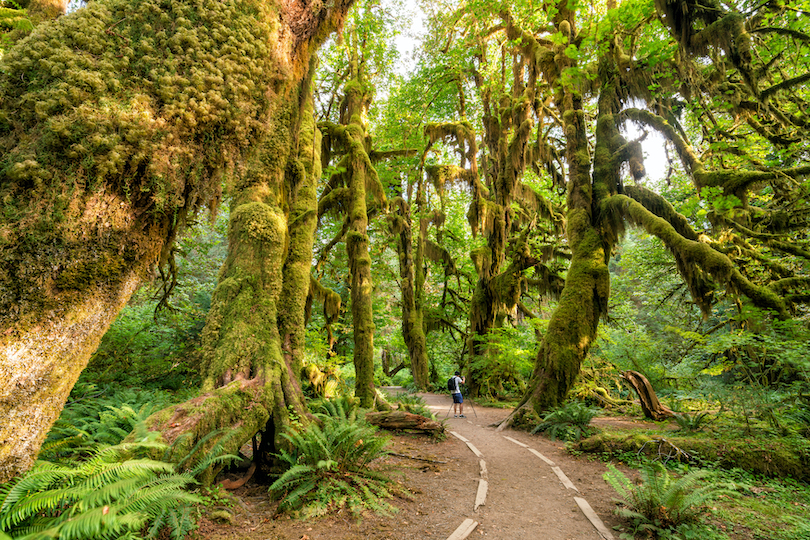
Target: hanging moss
[(459, 132), (329, 298), (117, 123), (482, 259)]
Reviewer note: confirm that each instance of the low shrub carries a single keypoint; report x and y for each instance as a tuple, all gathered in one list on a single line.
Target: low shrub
[(568, 423)]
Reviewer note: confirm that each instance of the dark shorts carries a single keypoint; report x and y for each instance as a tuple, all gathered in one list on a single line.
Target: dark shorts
[(457, 398)]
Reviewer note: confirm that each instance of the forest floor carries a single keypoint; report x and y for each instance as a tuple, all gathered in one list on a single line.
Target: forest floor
[(525, 498)]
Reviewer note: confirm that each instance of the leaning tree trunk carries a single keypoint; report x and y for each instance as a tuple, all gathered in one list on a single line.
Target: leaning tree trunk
[(650, 405), (97, 178)]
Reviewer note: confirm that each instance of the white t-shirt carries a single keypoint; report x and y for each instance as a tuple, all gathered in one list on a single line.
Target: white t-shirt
[(457, 381)]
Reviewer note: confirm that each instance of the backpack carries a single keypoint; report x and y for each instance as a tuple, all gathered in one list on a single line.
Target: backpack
[(451, 384)]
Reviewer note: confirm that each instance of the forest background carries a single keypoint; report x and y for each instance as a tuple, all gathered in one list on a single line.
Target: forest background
[(486, 210)]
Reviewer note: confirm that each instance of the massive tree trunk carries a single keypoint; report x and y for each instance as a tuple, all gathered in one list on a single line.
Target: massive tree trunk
[(573, 325), (110, 136)]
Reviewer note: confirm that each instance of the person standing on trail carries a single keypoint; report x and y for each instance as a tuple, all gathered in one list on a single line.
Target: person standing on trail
[(458, 400)]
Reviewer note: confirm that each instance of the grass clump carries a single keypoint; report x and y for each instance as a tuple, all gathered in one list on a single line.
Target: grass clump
[(329, 470)]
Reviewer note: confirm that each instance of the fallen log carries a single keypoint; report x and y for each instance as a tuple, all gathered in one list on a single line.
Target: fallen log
[(404, 420)]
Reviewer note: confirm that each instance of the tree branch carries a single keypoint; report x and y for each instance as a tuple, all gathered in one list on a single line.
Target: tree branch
[(659, 123), (698, 253), (790, 83)]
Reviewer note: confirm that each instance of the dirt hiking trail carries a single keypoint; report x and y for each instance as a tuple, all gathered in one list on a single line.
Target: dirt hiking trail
[(525, 496), (531, 483)]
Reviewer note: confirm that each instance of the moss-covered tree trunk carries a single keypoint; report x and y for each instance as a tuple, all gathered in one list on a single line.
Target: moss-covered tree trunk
[(354, 183), (109, 139), (302, 222), (411, 283), (573, 325), (41, 359), (362, 287)]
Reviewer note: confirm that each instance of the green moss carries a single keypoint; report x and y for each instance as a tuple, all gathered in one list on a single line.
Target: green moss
[(122, 118), (258, 222), (236, 405), (777, 457), (83, 273), (482, 259), (525, 420)]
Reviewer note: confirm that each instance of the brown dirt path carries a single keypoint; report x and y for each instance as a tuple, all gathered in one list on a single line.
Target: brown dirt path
[(525, 499)]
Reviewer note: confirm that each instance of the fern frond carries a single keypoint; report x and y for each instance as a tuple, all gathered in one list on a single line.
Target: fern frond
[(159, 496), (197, 447), (619, 482), (661, 502)]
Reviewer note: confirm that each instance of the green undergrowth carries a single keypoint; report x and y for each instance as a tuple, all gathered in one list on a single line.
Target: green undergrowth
[(768, 508), (760, 454), (770, 474), (411, 403), (328, 469), (569, 422), (96, 415), (665, 505), (137, 489), (497, 404), (719, 504)]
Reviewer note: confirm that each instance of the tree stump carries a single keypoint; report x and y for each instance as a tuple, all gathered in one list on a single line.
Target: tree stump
[(653, 409)]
